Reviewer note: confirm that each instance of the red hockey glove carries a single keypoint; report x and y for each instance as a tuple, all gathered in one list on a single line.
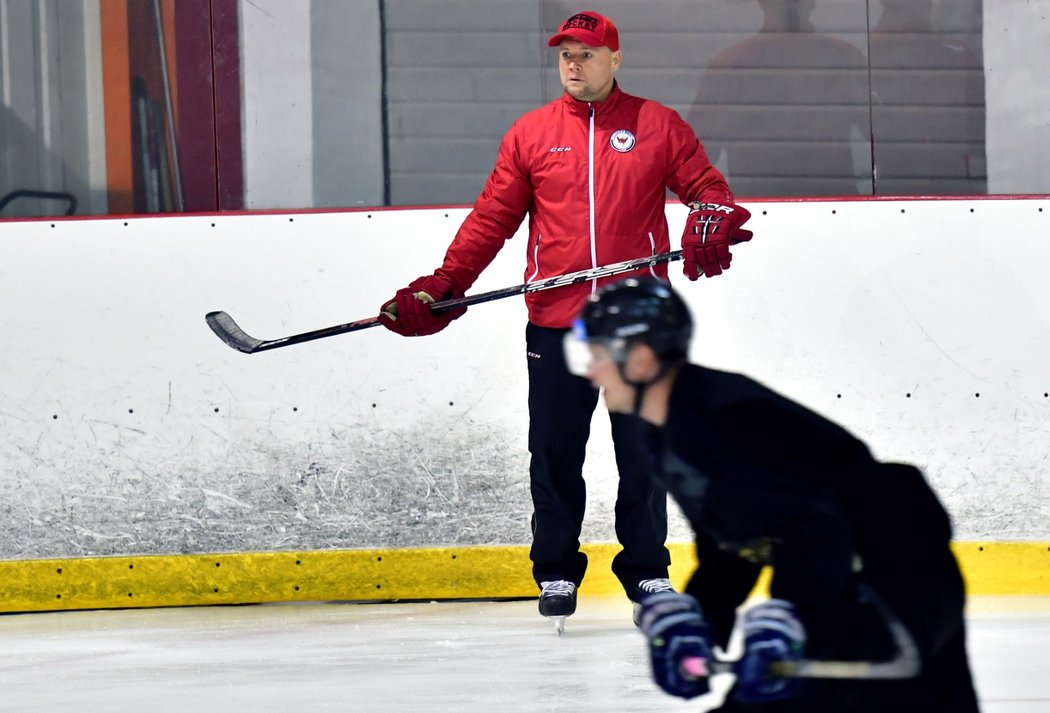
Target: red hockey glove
[(409, 313), (709, 231)]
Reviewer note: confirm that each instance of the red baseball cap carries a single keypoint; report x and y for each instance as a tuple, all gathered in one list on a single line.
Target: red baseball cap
[(590, 28)]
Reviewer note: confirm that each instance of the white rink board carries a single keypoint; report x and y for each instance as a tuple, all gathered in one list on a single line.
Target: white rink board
[(129, 428)]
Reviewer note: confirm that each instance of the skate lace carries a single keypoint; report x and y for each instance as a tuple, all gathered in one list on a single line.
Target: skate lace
[(652, 586), (560, 587)]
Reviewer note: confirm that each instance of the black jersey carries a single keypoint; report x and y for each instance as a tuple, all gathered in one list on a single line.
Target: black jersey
[(763, 480)]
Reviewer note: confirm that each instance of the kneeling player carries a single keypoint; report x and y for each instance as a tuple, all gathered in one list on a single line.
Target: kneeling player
[(856, 545)]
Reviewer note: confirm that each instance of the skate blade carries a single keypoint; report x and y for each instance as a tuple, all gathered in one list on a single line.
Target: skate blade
[(559, 624)]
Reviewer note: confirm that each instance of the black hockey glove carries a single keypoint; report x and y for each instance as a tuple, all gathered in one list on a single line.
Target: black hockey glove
[(676, 632), (772, 632)]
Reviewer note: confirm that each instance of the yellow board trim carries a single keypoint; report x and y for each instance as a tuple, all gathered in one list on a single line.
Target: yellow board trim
[(1021, 568)]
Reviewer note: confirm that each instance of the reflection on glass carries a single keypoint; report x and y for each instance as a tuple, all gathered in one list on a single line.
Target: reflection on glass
[(164, 105), (928, 97), (157, 181), (784, 112), (47, 158)]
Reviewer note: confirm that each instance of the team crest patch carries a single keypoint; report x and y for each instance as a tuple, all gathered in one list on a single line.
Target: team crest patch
[(622, 140)]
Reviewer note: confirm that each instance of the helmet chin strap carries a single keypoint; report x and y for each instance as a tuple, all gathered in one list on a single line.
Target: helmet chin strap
[(640, 386)]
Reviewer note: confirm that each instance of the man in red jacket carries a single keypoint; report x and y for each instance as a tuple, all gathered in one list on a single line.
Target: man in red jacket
[(591, 170)]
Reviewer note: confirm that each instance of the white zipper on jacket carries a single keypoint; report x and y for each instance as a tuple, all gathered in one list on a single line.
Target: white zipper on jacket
[(590, 194), (535, 259), (652, 251)]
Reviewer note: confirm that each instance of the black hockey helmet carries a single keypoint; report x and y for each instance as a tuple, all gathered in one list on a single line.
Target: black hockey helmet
[(637, 310)]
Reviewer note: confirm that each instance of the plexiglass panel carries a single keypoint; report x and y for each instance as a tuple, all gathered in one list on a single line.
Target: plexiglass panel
[(142, 106), (927, 90)]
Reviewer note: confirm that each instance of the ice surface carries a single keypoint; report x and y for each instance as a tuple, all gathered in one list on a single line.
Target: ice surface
[(387, 658)]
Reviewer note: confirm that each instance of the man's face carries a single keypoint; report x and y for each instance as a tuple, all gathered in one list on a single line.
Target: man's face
[(587, 72)]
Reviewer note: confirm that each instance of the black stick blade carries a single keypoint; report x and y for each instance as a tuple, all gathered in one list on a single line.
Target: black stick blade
[(228, 331)]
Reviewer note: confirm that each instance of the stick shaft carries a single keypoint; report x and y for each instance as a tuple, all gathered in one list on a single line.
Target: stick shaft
[(229, 332)]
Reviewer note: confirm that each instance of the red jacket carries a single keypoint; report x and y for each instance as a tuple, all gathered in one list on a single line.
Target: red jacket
[(592, 178)]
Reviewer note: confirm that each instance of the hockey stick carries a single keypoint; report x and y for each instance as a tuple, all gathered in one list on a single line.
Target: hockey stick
[(228, 330), (905, 664)]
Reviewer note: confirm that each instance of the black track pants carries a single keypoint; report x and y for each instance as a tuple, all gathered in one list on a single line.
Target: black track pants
[(560, 409)]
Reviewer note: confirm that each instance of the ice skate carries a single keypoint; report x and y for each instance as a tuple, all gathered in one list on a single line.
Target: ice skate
[(557, 601), (646, 587)]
